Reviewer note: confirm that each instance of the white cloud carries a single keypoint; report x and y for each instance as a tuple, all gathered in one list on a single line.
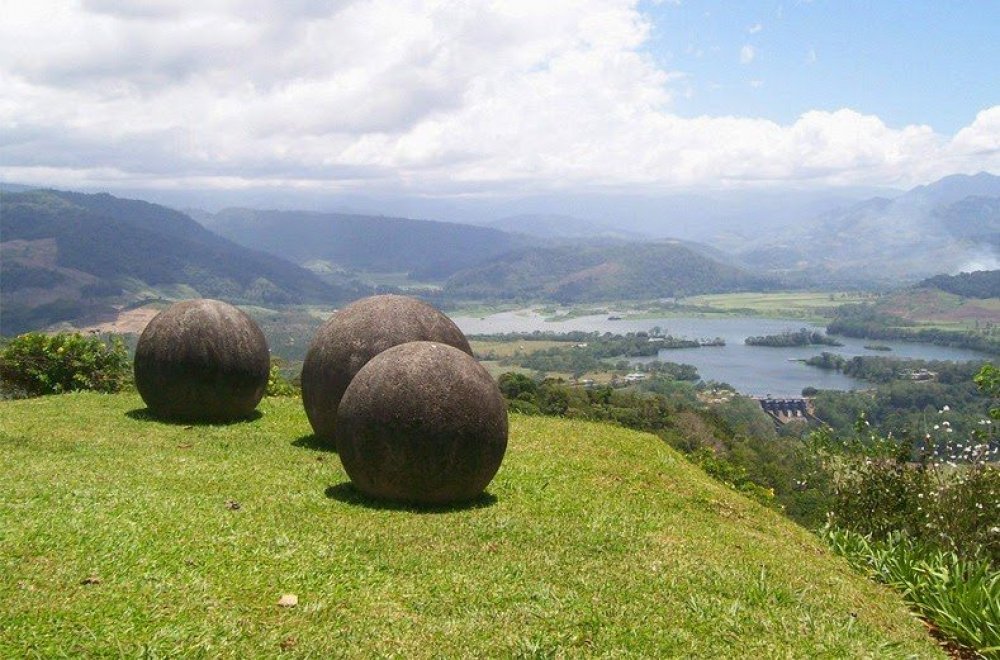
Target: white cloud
[(428, 96), (747, 53), (811, 56), (755, 28)]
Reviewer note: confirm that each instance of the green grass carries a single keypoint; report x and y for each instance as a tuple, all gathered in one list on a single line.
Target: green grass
[(594, 540), (814, 306)]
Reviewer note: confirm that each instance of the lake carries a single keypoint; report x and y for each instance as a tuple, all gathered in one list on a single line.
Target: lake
[(754, 370)]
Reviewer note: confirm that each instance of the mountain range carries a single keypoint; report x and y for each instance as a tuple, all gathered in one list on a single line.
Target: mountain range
[(633, 271), (949, 226), (421, 248), (68, 255)]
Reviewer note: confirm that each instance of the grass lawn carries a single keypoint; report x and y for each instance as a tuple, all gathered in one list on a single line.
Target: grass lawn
[(807, 305), (507, 348), (124, 536)]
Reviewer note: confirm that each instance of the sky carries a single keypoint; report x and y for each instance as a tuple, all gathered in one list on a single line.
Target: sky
[(499, 98)]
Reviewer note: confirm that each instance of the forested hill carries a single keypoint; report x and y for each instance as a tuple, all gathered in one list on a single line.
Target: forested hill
[(425, 249), (67, 254), (620, 272), (979, 284)]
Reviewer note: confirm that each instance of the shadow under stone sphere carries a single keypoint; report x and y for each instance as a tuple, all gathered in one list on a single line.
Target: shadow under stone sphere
[(352, 337), (422, 423), (202, 361)]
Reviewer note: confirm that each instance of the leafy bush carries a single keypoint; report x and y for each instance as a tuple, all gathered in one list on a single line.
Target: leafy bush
[(277, 384), (948, 499), (34, 364), (960, 596)]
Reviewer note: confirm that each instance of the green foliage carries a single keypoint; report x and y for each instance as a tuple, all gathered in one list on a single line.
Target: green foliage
[(584, 352), (803, 337), (988, 382), (866, 321), (980, 284), (34, 364), (960, 596), (901, 406), (597, 273), (733, 475), (949, 499), (277, 383)]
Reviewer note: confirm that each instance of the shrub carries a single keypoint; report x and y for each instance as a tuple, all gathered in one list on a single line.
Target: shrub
[(948, 499), (961, 597), (34, 364), (277, 384)]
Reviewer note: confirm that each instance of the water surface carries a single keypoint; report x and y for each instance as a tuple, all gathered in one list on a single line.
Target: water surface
[(755, 370)]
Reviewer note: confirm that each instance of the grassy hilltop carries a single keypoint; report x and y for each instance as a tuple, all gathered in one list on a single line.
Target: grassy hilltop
[(120, 535)]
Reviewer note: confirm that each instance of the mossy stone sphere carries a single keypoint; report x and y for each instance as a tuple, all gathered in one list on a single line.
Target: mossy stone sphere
[(352, 337), (202, 361), (422, 423)]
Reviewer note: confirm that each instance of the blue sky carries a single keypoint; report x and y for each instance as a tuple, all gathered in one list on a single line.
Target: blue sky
[(914, 62)]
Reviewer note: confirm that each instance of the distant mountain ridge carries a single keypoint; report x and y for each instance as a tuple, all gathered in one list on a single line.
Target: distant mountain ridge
[(66, 255), (591, 273), (426, 249), (554, 226), (950, 225)]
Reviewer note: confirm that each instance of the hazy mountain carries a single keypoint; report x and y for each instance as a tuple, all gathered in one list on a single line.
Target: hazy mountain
[(553, 226), (588, 273), (66, 255), (953, 188), (947, 226), (423, 248)]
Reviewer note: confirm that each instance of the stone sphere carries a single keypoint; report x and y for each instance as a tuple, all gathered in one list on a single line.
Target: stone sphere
[(352, 337), (202, 361), (422, 423)]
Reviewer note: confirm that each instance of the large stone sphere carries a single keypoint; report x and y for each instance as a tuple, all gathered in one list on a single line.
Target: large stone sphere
[(202, 361), (352, 337), (422, 423)]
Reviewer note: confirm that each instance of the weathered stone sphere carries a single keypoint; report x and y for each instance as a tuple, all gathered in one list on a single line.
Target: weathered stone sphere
[(422, 423), (352, 337), (202, 361)]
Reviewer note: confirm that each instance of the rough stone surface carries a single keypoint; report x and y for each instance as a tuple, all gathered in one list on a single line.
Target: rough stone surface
[(356, 334), (422, 423), (202, 361)]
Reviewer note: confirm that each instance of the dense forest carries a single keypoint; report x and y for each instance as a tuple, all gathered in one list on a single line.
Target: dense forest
[(803, 337), (590, 273), (978, 284), (868, 322)]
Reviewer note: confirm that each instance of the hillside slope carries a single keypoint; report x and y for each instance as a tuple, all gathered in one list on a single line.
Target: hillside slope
[(424, 248), (123, 535), (66, 255), (591, 273), (969, 301)]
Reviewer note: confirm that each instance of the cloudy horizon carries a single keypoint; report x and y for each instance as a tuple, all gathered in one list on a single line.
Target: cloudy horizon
[(440, 99)]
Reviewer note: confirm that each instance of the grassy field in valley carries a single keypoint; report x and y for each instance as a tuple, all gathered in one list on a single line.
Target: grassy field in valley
[(120, 535), (808, 305)]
